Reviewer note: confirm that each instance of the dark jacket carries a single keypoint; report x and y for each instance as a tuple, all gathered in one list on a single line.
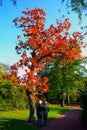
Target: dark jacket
[(45, 110), (39, 110)]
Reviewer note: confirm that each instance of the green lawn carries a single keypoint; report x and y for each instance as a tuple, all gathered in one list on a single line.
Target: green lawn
[(56, 110), (13, 120)]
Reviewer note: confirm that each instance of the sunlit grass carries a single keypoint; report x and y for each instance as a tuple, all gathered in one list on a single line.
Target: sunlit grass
[(13, 120), (55, 110), (16, 114)]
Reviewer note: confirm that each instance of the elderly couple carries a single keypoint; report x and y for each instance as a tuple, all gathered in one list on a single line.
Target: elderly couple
[(42, 113)]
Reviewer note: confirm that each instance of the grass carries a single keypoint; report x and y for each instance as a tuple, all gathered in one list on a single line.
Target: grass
[(55, 110), (12, 120)]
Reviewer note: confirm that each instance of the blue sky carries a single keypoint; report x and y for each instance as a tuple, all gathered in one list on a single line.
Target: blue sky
[(8, 32)]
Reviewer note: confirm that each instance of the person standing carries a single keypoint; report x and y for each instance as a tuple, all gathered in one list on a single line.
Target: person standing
[(39, 112), (45, 112)]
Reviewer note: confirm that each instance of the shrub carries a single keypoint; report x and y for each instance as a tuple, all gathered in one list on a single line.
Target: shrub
[(84, 104), (10, 97)]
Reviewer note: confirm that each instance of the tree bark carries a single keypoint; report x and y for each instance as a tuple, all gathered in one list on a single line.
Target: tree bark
[(32, 105), (62, 100), (67, 97)]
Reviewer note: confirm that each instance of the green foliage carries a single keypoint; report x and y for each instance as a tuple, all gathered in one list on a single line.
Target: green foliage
[(64, 78), (83, 99), (77, 6), (10, 97)]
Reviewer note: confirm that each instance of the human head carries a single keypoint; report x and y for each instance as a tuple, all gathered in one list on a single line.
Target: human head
[(45, 102), (40, 101)]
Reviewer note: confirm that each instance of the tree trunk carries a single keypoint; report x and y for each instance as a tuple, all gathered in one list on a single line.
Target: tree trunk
[(67, 97), (32, 106), (62, 99)]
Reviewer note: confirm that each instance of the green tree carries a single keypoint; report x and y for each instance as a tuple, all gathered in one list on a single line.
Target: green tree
[(64, 82)]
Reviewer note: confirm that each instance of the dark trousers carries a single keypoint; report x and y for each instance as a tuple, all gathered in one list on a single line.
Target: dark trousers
[(45, 119), (39, 120)]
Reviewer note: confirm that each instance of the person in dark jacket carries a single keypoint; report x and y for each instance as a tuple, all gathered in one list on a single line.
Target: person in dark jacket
[(39, 112), (45, 112)]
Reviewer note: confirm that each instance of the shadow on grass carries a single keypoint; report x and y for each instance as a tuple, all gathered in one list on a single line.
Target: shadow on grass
[(15, 124)]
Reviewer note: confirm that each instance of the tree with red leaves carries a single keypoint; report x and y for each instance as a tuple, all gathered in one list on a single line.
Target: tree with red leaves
[(40, 46)]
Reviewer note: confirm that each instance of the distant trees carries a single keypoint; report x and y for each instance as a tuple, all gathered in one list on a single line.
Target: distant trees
[(65, 82)]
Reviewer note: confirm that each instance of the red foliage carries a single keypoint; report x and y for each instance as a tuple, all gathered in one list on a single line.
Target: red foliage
[(43, 46)]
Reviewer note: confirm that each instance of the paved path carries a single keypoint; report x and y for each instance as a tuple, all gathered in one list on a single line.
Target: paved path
[(69, 121)]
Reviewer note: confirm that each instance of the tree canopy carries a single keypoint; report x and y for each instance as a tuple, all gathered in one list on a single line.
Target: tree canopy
[(41, 46)]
